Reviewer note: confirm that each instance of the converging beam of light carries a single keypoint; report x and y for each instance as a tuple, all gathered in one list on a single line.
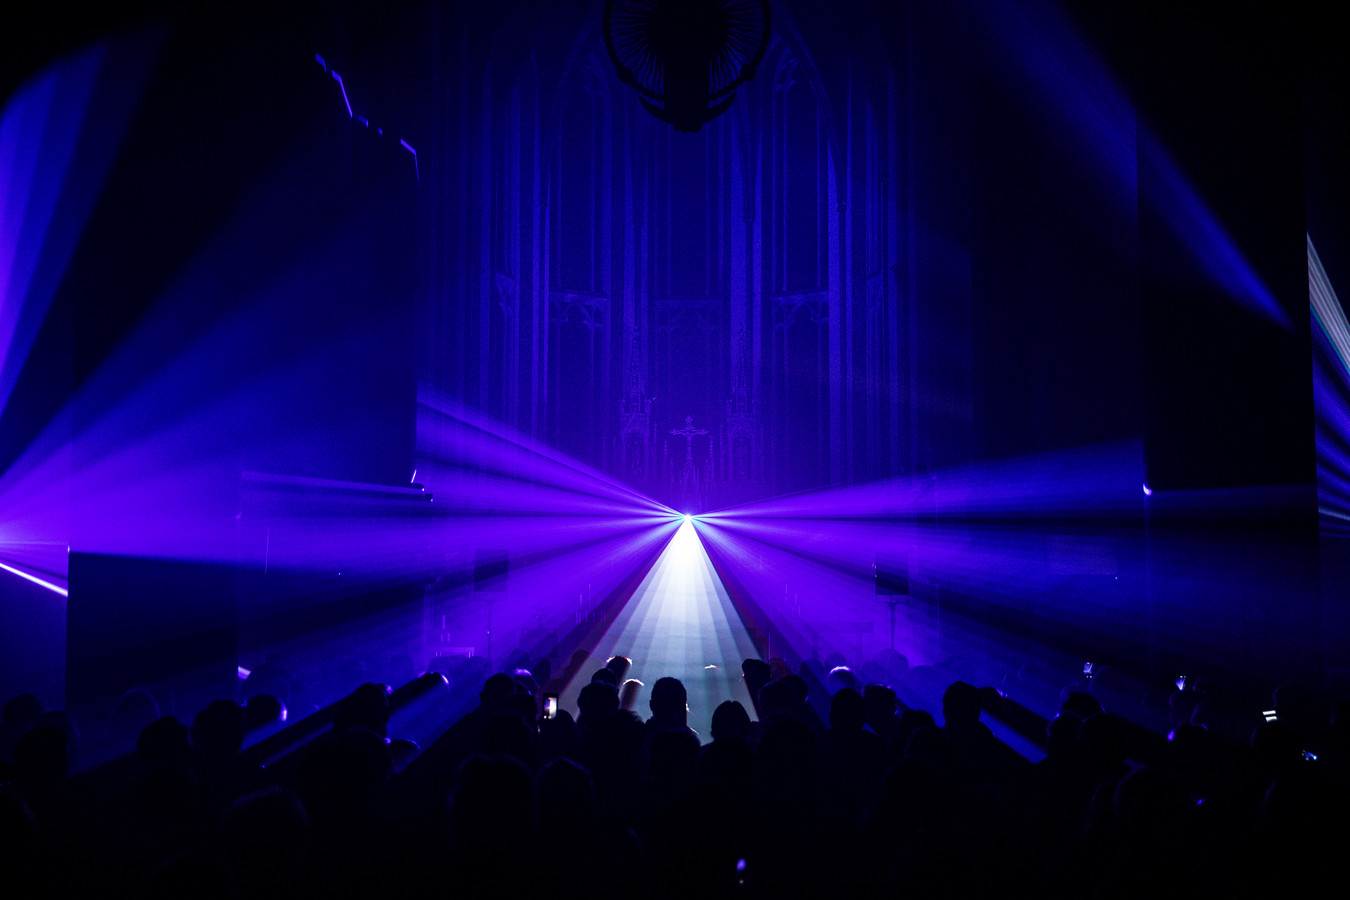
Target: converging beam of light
[(979, 561), (680, 623), (163, 453)]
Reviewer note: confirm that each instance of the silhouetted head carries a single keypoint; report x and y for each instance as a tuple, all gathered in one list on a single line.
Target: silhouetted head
[(495, 690), (516, 659), (162, 741), (402, 751), (607, 676), (848, 713), (1061, 734), (263, 710), (730, 720), (558, 736), (669, 700), (57, 718), (800, 690), (775, 697), (911, 720), (629, 692), (960, 705), (756, 671), (40, 757), (619, 665), (1181, 705), (366, 707), (596, 702), (270, 677), (525, 681), (929, 746), (522, 705), (135, 710), (344, 775), (579, 657), (880, 701), (218, 730), (841, 677)]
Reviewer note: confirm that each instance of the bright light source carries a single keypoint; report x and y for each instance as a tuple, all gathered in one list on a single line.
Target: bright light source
[(680, 622), (686, 518), (54, 588)]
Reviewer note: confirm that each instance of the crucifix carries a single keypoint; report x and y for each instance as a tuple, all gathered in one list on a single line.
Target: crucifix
[(688, 432)]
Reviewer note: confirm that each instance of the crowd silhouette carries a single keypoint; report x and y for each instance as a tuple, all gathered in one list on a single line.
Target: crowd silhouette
[(831, 785)]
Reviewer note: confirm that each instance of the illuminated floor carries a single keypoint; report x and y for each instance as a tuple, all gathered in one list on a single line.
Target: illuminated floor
[(679, 622)]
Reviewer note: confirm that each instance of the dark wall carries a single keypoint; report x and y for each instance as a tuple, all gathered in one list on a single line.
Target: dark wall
[(34, 658), (1056, 331), (242, 300), (1229, 398)]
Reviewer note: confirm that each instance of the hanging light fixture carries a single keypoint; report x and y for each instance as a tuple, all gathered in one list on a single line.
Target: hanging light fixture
[(685, 58)]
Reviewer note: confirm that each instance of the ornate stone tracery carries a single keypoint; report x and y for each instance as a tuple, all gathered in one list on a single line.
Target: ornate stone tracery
[(738, 275)]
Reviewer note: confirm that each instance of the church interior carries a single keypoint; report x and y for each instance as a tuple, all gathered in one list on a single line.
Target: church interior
[(998, 338)]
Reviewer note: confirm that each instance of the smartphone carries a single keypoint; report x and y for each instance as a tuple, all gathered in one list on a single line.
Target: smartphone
[(1181, 682), (550, 706)]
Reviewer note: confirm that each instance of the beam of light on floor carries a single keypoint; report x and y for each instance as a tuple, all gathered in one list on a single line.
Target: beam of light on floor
[(679, 623)]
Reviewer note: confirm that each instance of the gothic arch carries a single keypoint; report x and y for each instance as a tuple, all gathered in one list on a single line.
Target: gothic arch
[(594, 231)]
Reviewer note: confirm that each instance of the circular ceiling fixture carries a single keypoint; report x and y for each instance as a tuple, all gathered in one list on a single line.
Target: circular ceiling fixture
[(685, 58)]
